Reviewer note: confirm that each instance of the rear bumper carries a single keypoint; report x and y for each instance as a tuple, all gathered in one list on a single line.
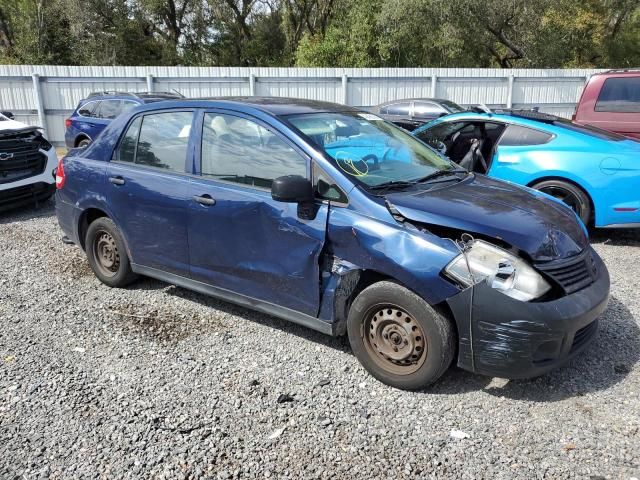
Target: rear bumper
[(507, 338), (68, 216)]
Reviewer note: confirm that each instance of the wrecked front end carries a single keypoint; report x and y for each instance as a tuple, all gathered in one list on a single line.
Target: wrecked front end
[(504, 337), (518, 331)]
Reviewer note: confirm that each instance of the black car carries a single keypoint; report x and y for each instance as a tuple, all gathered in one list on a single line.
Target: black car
[(411, 113)]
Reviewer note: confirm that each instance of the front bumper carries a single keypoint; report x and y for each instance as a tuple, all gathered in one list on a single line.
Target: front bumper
[(507, 338), (32, 189)]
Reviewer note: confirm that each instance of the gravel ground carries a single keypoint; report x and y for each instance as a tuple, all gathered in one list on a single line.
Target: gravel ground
[(158, 382)]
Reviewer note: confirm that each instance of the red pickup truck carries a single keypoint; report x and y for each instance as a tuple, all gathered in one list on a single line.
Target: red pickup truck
[(611, 100)]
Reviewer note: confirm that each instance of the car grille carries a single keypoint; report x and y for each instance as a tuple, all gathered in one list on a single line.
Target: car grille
[(20, 158), (572, 274)]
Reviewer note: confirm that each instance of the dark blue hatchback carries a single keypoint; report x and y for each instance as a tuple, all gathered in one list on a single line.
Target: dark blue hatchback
[(95, 112), (332, 218)]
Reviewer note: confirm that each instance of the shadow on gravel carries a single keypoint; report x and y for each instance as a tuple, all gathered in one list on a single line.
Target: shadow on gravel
[(43, 209), (627, 237), (163, 324), (340, 343), (606, 362)]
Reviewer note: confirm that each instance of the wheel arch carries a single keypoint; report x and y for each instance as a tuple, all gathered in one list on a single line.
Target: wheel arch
[(80, 137), (366, 278), (573, 182), (87, 217), (91, 214)]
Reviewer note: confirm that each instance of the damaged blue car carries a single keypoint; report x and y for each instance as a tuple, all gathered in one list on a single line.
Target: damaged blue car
[(334, 219)]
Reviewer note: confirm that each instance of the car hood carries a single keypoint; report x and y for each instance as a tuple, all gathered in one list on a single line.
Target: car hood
[(527, 220), (12, 125)]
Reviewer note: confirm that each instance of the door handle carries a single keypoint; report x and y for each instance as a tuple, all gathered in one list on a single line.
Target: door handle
[(205, 200), (117, 180)]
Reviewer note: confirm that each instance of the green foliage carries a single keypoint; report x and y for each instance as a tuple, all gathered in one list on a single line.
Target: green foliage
[(327, 33)]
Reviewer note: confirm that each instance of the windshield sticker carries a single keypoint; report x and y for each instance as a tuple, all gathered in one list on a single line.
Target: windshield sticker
[(355, 168), (370, 117)]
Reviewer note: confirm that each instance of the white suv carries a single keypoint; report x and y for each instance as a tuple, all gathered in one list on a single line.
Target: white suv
[(27, 164)]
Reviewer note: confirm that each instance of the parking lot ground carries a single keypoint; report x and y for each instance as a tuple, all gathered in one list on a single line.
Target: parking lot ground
[(154, 381)]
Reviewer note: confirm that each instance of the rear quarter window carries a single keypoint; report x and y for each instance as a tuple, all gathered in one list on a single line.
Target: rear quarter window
[(517, 135), (89, 109), (619, 95), (396, 109)]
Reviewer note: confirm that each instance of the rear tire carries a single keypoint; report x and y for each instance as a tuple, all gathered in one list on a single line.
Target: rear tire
[(570, 194), (85, 142), (398, 337), (107, 254)]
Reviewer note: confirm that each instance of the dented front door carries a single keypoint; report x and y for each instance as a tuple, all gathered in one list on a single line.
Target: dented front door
[(240, 239), (250, 244)]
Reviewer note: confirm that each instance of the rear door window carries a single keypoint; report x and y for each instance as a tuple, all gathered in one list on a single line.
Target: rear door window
[(158, 140), (110, 109), (238, 150), (619, 95), (517, 135)]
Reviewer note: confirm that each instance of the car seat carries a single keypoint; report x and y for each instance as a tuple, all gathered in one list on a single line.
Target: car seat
[(474, 160)]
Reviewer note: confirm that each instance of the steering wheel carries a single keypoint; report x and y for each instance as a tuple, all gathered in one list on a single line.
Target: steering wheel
[(440, 146), (376, 162)]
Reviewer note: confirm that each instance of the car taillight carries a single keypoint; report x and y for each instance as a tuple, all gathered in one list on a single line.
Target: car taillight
[(67, 123), (60, 177)]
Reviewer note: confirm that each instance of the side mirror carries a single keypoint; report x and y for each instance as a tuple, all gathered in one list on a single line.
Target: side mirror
[(292, 189), (9, 115)]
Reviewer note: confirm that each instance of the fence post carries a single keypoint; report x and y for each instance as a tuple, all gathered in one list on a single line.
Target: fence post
[(37, 90), (510, 91), (252, 84), (149, 82), (345, 90), (434, 85)]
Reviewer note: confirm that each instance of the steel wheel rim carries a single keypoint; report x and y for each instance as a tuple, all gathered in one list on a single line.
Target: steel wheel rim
[(106, 253), (394, 339), (565, 196)]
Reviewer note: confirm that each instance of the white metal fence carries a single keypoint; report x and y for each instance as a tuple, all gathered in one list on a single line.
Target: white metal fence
[(45, 95)]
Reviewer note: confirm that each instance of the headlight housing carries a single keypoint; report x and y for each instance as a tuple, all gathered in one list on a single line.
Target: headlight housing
[(502, 270)]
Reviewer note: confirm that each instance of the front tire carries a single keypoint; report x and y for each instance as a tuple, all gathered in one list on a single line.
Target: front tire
[(570, 194), (398, 337), (107, 254)]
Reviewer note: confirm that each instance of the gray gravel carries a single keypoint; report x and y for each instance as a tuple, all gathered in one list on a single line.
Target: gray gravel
[(158, 382)]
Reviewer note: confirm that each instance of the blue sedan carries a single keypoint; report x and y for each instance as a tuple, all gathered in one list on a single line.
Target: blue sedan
[(595, 172)]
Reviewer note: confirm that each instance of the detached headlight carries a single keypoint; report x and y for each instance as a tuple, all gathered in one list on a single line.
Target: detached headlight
[(502, 270)]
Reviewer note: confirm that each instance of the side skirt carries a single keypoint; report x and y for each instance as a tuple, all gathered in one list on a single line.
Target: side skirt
[(229, 296)]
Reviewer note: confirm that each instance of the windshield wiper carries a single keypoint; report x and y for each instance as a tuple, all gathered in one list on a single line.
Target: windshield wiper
[(392, 184), (441, 173)]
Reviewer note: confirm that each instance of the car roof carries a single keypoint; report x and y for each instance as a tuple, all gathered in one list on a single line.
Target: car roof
[(421, 99), (139, 97), (277, 106), (524, 117), (622, 71)]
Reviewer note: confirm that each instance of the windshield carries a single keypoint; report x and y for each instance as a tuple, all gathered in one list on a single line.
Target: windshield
[(370, 150)]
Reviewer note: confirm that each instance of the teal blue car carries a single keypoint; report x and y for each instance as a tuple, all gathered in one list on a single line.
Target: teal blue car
[(595, 172)]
